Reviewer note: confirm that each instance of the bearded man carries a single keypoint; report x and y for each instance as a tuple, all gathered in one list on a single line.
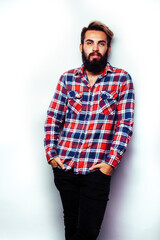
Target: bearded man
[(89, 124)]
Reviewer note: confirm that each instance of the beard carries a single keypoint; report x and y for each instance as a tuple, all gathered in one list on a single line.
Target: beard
[(96, 66)]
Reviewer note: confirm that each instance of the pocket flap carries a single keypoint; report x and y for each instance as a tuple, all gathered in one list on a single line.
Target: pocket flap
[(73, 94), (108, 95)]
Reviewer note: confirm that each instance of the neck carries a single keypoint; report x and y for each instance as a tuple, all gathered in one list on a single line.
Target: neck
[(92, 77)]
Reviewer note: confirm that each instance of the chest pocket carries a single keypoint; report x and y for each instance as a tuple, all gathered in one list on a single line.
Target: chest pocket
[(108, 102), (75, 101)]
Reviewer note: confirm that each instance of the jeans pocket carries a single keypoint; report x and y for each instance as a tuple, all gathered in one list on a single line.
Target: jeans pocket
[(103, 174)]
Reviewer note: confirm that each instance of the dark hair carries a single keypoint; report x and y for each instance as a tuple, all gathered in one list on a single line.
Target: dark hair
[(98, 26)]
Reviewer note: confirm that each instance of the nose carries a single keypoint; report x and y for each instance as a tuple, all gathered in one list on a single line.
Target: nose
[(95, 47)]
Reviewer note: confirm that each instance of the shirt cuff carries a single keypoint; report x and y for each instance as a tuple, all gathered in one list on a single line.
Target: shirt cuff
[(112, 160), (50, 155)]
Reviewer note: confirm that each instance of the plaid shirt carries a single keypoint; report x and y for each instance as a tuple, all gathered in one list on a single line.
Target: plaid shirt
[(87, 125)]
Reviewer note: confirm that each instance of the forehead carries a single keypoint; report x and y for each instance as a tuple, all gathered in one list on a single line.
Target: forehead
[(95, 35)]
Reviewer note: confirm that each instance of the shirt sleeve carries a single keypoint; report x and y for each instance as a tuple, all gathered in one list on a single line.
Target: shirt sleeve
[(124, 124), (55, 119)]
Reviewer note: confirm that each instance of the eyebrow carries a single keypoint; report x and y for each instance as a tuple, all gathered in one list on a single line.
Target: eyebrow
[(100, 41)]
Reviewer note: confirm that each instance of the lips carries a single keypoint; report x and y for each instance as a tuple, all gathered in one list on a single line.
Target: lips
[(95, 54)]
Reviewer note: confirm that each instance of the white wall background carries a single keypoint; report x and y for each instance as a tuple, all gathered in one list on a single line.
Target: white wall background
[(39, 40)]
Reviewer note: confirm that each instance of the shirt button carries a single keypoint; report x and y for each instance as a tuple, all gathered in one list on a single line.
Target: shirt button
[(89, 144)]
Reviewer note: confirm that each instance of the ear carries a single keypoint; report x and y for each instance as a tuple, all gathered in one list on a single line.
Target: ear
[(109, 50), (80, 47)]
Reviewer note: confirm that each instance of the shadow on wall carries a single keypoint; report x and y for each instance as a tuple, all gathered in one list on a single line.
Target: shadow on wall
[(119, 187)]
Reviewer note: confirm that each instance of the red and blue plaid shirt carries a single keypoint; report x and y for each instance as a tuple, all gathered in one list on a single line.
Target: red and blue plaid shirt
[(87, 125)]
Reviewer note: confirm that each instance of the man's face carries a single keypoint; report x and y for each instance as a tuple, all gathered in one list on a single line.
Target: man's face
[(95, 51)]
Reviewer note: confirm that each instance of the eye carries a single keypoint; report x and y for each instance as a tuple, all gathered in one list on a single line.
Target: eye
[(102, 44), (89, 43)]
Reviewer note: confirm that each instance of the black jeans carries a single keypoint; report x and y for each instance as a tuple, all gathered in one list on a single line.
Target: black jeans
[(84, 199)]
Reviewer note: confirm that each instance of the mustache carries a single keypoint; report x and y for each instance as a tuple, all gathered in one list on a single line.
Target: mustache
[(93, 53)]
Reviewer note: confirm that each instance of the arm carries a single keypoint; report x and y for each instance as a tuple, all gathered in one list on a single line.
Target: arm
[(125, 120), (55, 120), (123, 128)]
